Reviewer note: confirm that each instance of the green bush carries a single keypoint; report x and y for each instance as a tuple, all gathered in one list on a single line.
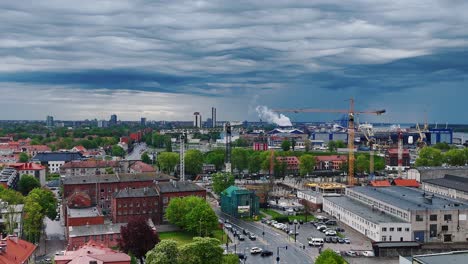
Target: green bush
[(281, 219)]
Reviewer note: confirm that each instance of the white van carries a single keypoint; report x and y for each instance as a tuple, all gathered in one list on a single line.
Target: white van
[(316, 242)]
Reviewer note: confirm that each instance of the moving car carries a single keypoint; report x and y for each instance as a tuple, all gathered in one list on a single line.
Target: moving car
[(266, 253), (240, 255), (241, 237), (244, 232), (255, 250), (252, 236)]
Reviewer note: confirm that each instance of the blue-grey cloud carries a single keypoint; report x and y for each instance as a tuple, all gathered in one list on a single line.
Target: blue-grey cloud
[(236, 50)]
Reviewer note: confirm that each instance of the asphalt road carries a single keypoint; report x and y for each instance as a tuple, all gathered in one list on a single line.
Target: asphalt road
[(137, 151), (271, 240)]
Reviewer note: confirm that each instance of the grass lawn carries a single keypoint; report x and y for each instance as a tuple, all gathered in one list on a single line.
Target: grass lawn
[(274, 214), (183, 237)]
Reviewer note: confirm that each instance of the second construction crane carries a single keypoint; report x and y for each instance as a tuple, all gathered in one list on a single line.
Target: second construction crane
[(351, 130)]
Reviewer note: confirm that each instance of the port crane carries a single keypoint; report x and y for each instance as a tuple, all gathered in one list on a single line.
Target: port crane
[(351, 129)]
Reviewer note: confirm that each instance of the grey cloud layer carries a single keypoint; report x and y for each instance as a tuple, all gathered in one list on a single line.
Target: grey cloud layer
[(232, 49)]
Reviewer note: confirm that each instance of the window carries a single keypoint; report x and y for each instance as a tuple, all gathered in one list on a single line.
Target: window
[(419, 218), (445, 228), (448, 217), (432, 230), (399, 229), (384, 238), (433, 217), (390, 238), (384, 229), (407, 229), (111, 237), (102, 237), (392, 229), (131, 205), (165, 200)]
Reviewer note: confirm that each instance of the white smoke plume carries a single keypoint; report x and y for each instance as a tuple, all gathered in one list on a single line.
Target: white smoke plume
[(268, 115)]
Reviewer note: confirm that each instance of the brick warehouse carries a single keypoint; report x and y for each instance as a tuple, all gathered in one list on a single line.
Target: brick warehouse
[(135, 202), (101, 188)]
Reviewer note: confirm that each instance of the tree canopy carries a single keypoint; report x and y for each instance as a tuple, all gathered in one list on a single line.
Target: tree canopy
[(193, 162), (23, 157), (137, 238), (167, 161), (146, 158), (203, 250), (286, 145), (216, 158), (307, 164), (221, 181), (27, 183), (165, 252), (429, 156), (328, 256), (239, 159), (117, 151)]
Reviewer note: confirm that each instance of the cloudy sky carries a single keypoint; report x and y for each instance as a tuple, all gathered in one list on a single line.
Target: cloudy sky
[(166, 59)]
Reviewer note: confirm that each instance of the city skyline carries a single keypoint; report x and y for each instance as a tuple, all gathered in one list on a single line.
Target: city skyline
[(166, 60)]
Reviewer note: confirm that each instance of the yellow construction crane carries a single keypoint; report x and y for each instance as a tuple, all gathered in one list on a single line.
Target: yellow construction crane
[(351, 114)]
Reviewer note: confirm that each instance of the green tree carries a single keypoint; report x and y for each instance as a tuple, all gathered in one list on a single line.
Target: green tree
[(239, 159), (240, 142), (27, 183), (455, 157), (328, 256), (166, 252), (47, 200), (286, 145), (23, 157), (429, 156), (168, 143), (230, 259), (307, 145), (158, 140), (280, 168), (33, 217), (203, 250), (167, 161), (307, 164), (193, 162), (216, 158), (362, 164), (146, 158), (255, 162), (11, 196), (442, 146), (193, 214), (117, 151), (332, 146), (221, 181)]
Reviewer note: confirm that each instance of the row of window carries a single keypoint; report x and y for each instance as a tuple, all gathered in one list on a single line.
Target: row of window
[(433, 217), (392, 229), (137, 204), (384, 238), (102, 237), (136, 212), (376, 204)]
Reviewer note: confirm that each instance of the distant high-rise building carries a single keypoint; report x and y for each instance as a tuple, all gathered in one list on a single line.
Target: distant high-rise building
[(50, 121), (197, 122), (143, 121), (102, 123), (113, 120), (213, 117)]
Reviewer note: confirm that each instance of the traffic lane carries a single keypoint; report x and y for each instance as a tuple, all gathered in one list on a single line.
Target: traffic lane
[(272, 239)]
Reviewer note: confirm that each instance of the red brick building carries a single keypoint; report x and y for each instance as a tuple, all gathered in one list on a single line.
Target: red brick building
[(292, 163), (106, 234), (391, 158), (84, 216), (142, 202), (331, 162), (93, 251), (101, 188), (169, 190), (89, 167)]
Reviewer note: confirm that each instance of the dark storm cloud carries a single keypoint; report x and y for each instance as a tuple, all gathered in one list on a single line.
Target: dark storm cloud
[(234, 49)]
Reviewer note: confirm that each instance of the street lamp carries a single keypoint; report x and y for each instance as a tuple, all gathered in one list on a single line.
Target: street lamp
[(277, 253)]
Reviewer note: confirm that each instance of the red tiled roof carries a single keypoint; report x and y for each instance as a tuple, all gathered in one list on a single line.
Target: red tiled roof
[(93, 251), (383, 183), (27, 166), (79, 148), (18, 251), (406, 182), (142, 167), (90, 164), (38, 148), (332, 158)]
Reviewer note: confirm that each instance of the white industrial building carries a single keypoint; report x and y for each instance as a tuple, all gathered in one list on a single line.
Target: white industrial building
[(454, 187), (374, 224)]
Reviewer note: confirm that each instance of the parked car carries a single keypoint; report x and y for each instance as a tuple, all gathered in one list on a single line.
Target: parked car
[(266, 253), (228, 226), (321, 227), (368, 253), (255, 250), (330, 222), (341, 241), (330, 233), (316, 242), (334, 239), (339, 229), (252, 237), (327, 239), (351, 253), (346, 240), (337, 252)]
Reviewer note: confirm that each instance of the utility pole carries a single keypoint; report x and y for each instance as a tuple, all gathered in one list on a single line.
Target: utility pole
[(277, 253), (182, 156)]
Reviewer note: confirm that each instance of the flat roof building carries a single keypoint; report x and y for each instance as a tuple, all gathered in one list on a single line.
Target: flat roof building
[(433, 218), (452, 186)]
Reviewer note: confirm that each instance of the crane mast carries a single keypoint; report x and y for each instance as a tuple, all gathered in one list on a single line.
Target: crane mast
[(182, 157), (400, 153), (351, 132)]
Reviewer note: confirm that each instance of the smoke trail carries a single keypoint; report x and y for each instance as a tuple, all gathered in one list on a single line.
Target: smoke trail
[(272, 117)]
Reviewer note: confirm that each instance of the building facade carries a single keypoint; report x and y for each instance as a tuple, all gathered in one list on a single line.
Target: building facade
[(239, 202), (331, 162), (455, 187), (141, 202), (55, 160)]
